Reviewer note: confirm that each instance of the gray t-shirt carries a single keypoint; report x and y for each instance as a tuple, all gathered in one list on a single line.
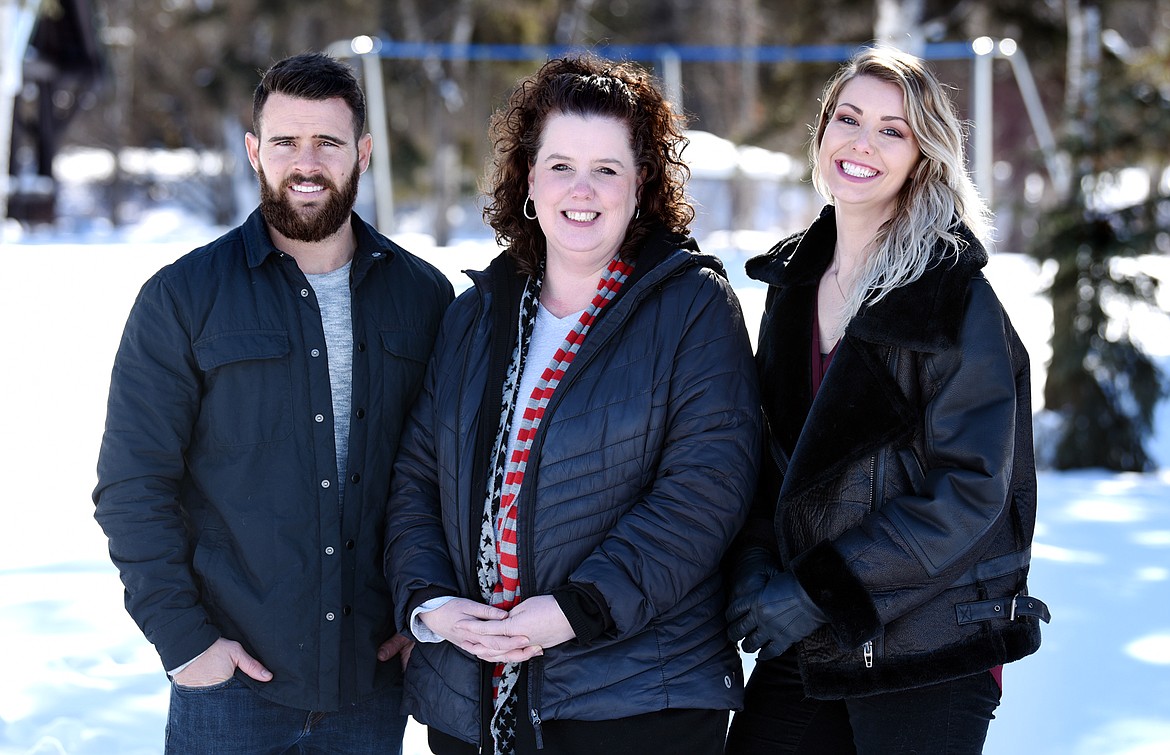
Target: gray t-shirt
[(333, 297)]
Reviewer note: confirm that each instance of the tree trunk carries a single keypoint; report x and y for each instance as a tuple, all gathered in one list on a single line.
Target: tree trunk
[(899, 23)]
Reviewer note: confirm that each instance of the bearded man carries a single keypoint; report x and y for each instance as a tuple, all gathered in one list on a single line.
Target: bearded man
[(254, 413)]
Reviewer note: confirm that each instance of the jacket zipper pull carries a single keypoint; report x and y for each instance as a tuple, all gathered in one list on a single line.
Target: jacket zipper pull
[(867, 653), (537, 730)]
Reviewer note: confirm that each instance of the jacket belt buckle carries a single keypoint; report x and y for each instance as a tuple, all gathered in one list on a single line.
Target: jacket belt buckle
[(1012, 611)]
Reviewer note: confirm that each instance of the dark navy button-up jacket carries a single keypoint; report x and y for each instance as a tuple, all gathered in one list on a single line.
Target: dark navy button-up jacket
[(218, 485)]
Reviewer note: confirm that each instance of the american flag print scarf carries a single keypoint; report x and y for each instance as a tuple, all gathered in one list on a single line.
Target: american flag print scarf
[(499, 561)]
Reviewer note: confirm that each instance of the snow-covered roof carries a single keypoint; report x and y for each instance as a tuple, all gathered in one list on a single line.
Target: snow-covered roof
[(713, 157)]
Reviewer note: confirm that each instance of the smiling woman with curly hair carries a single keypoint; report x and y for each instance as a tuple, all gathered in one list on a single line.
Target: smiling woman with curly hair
[(584, 449)]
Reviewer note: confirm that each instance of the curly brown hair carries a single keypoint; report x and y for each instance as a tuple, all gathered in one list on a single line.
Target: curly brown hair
[(586, 85)]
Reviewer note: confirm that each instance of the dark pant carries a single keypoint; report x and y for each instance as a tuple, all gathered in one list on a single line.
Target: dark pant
[(231, 719), (665, 732), (943, 719)]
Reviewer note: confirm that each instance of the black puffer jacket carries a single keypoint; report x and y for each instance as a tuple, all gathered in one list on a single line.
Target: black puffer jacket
[(903, 498), (642, 473)]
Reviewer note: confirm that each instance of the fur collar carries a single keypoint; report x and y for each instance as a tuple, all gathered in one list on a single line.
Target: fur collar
[(860, 406), (923, 316)]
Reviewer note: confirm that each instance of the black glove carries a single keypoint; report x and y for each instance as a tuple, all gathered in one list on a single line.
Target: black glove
[(751, 570), (775, 617)]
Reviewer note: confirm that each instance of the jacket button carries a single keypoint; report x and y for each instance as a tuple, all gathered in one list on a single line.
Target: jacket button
[(355, 477), (330, 616), (304, 293), (349, 544), (346, 611), (319, 417), (329, 550), (324, 483), (360, 414), (315, 353), (361, 346)]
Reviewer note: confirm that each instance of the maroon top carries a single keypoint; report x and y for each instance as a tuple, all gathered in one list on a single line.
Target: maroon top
[(820, 362)]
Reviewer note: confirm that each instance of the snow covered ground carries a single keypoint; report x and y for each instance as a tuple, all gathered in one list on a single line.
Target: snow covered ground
[(80, 679)]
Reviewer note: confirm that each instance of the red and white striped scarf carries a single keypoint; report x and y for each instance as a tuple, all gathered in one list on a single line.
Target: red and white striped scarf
[(505, 593)]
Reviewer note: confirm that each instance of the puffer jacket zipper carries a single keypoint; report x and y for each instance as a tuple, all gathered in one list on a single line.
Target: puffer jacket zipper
[(532, 475)]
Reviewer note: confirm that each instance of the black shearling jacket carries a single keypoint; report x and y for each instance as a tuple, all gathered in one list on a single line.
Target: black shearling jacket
[(903, 496)]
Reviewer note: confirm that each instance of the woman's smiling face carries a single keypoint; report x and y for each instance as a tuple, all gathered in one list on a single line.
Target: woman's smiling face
[(867, 150), (584, 183)]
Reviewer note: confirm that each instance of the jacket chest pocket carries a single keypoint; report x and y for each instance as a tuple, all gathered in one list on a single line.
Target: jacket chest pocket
[(247, 393), (404, 362)]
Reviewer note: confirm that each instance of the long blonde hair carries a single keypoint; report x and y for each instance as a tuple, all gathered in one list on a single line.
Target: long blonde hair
[(938, 195)]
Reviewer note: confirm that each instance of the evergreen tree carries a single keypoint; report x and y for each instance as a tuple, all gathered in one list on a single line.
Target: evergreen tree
[(1100, 382)]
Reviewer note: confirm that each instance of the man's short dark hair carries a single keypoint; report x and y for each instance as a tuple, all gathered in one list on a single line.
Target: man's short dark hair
[(311, 76)]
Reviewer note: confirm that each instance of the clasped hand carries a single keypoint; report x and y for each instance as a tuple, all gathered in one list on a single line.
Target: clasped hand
[(498, 636)]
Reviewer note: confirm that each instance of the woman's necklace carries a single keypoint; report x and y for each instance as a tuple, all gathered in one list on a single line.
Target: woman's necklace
[(835, 270), (837, 281), (835, 273)]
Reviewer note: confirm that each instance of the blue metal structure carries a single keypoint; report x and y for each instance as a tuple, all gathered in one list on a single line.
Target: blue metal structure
[(386, 48)]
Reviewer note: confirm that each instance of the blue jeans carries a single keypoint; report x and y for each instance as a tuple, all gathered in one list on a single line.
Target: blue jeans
[(950, 718), (230, 719)]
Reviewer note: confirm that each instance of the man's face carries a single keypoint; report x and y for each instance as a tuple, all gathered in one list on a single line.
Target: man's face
[(308, 163)]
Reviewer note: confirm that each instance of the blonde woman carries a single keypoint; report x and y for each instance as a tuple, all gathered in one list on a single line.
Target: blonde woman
[(882, 575)]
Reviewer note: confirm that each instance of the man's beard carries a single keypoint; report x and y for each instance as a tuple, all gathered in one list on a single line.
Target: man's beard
[(308, 224)]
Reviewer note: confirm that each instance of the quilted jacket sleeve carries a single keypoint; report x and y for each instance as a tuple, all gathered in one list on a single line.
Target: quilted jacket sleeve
[(140, 468), (673, 538), (417, 560)]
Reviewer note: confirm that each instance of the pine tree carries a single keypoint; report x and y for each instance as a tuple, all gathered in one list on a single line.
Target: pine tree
[(1100, 382)]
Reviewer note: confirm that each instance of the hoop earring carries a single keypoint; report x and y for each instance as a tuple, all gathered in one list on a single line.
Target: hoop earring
[(525, 210)]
